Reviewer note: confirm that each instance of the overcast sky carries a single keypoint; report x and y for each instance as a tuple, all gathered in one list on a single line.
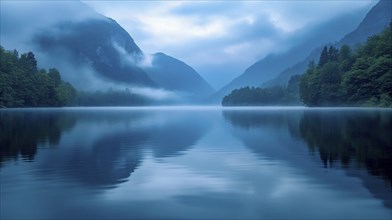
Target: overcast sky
[(220, 39)]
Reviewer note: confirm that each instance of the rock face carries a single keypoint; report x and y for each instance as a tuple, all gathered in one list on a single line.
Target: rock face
[(173, 74)]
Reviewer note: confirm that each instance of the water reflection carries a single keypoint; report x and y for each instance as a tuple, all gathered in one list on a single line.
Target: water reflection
[(121, 163), (349, 139), (96, 148), (353, 138), (22, 131), (269, 133)]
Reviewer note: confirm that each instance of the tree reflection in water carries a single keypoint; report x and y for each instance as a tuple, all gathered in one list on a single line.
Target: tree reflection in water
[(99, 148), (360, 138), (348, 139), (21, 131)]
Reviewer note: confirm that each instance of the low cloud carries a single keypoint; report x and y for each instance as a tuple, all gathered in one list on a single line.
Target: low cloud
[(206, 34), (20, 20), (85, 78), (133, 59), (82, 76), (218, 39), (157, 94), (146, 61)]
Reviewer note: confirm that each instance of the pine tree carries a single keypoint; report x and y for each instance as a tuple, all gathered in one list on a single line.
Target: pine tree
[(324, 57)]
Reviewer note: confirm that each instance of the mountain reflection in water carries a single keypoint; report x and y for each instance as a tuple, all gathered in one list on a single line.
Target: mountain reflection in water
[(195, 162)]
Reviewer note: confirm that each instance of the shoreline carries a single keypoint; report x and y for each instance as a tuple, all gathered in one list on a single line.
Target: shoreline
[(195, 107)]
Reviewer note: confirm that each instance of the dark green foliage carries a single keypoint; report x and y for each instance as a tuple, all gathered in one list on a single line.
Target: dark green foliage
[(65, 93), (255, 96), (344, 78), (333, 54), (54, 75), (27, 62), (346, 58), (328, 55), (323, 57), (22, 85), (292, 91)]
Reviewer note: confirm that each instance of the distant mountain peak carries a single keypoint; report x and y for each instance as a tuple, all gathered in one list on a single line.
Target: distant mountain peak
[(173, 74)]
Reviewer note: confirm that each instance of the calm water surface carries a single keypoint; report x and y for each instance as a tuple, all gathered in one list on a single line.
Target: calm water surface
[(196, 163)]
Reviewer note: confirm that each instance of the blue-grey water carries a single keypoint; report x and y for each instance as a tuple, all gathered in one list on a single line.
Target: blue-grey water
[(195, 163)]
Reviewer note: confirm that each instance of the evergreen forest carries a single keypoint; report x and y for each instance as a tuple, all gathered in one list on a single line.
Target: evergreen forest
[(255, 96), (342, 77), (22, 84), (346, 78)]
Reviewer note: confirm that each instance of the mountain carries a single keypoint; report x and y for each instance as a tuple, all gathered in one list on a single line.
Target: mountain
[(376, 20), (91, 51), (101, 43), (175, 75), (273, 64), (283, 77), (94, 52)]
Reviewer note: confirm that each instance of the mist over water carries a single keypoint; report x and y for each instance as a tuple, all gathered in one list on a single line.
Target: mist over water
[(195, 162), (169, 158)]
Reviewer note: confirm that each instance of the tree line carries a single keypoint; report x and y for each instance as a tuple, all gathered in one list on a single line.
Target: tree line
[(257, 96), (351, 78), (22, 84), (342, 77)]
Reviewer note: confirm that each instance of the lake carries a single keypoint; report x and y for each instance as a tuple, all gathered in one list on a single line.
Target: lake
[(196, 163)]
